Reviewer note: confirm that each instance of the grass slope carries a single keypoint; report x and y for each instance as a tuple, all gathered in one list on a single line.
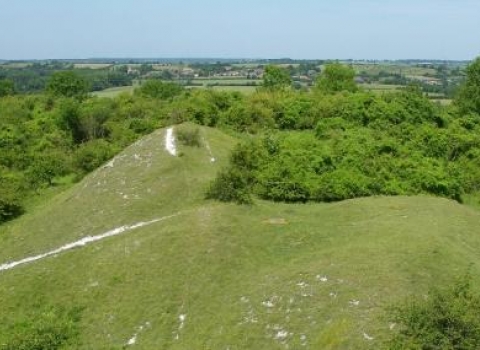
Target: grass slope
[(221, 276)]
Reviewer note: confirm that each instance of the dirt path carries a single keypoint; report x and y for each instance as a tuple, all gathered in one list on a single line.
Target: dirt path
[(85, 241)]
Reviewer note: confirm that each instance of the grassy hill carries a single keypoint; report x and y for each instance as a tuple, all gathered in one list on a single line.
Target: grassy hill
[(222, 276)]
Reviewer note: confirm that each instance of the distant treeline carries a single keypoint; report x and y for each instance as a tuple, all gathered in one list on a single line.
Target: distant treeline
[(33, 78)]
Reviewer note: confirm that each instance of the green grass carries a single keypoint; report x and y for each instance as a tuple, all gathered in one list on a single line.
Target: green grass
[(246, 277), (114, 92)]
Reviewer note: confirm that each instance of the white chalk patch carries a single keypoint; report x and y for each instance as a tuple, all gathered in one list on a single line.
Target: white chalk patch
[(281, 335), (367, 337), (110, 164), (182, 319), (268, 304), (83, 242), (250, 317), (132, 340), (170, 142), (207, 146)]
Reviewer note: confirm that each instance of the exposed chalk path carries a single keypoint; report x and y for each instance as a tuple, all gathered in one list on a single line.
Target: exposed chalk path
[(207, 146), (84, 241), (170, 142)]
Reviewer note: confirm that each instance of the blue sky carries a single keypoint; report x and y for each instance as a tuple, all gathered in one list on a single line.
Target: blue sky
[(371, 29)]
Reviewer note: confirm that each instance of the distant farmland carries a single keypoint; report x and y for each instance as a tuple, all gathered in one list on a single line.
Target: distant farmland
[(114, 92)]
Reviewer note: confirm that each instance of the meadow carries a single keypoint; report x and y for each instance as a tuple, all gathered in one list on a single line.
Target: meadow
[(270, 275)]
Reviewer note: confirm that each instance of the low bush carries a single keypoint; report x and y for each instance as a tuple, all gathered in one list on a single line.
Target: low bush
[(188, 135), (10, 199), (448, 318), (230, 185), (50, 329), (234, 184), (92, 154)]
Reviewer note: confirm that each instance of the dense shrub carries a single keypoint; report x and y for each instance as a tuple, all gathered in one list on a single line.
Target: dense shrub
[(10, 196), (91, 155), (68, 84), (6, 87), (449, 318), (468, 97), (189, 135), (230, 185), (336, 77), (9, 209), (364, 145), (234, 184), (159, 89), (297, 112)]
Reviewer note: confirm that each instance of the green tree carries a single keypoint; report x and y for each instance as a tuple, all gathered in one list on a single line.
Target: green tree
[(159, 89), (145, 68), (276, 78), (6, 87), (468, 98), (335, 78), (68, 117), (68, 84), (46, 166), (94, 113)]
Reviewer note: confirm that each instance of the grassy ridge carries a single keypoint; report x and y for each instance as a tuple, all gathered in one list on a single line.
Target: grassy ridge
[(225, 276), (141, 183)]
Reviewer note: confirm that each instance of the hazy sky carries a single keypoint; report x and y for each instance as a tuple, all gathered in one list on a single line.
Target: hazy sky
[(370, 29)]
